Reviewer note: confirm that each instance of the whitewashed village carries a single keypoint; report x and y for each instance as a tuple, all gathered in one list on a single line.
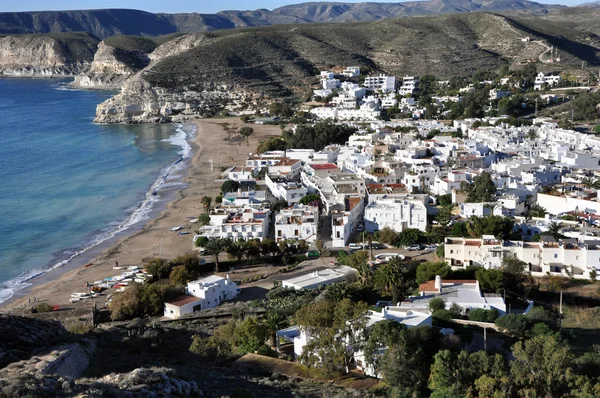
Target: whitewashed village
[(390, 217), (478, 195)]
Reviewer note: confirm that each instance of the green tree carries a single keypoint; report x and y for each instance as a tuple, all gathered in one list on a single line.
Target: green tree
[(381, 336), (214, 247), (274, 321), (180, 275), (203, 219), (159, 268), (410, 236), (246, 132), (513, 324), (388, 236), (490, 280), (554, 230), (230, 186), (237, 250), (250, 334), (396, 278), (428, 271), (436, 304), (513, 265), (483, 315), (311, 199), (542, 367), (206, 202), (482, 189)]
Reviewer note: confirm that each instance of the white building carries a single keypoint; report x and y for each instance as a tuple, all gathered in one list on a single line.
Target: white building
[(465, 293), (283, 189), (409, 85), (397, 214), (297, 223), (324, 277), (384, 83), (550, 80), (566, 257), (236, 222), (408, 318), (345, 220), (351, 71), (204, 293)]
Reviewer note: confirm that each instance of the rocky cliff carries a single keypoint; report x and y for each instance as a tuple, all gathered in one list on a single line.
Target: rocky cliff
[(111, 67), (46, 55)]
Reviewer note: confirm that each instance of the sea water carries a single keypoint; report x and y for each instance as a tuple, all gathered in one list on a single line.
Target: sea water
[(67, 184)]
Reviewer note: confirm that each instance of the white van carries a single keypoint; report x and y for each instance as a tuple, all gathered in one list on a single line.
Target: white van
[(354, 246)]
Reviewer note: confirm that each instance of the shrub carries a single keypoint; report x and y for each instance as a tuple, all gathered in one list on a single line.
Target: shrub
[(516, 325), (159, 268), (428, 271), (436, 304), (140, 300), (42, 307), (443, 315), (230, 186), (482, 315), (80, 328), (201, 241)]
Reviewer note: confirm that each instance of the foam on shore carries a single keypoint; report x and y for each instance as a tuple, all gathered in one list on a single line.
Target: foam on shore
[(165, 182)]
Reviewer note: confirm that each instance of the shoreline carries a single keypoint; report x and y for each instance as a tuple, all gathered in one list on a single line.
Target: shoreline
[(152, 236), (149, 208)]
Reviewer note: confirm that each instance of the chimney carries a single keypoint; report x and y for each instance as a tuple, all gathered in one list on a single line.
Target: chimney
[(438, 283)]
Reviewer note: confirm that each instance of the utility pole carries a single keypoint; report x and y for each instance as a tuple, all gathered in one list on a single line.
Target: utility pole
[(560, 313), (485, 339), (536, 107)]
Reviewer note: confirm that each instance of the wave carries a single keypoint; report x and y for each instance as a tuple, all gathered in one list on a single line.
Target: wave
[(135, 215)]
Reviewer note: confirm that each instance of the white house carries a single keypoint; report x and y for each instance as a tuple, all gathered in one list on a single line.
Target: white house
[(541, 79), (236, 222), (396, 213), (351, 71), (344, 220), (283, 189), (203, 293), (297, 222), (465, 293), (384, 83), (324, 277), (566, 257), (409, 85), (409, 318)]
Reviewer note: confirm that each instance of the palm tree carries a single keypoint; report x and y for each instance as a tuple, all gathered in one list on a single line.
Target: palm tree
[(274, 322), (365, 272), (206, 202), (387, 278), (214, 247), (554, 230), (237, 250), (589, 182), (338, 291)]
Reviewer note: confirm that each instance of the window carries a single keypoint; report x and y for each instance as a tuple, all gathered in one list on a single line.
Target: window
[(451, 251), (555, 255)]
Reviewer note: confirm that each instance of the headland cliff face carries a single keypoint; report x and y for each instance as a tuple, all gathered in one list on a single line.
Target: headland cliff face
[(39, 56)]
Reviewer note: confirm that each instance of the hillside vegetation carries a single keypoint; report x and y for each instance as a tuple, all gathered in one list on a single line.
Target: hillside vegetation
[(279, 60), (111, 22)]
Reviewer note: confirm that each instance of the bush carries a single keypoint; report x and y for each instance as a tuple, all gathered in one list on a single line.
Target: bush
[(159, 268), (436, 304), (442, 315), (428, 271), (80, 328), (140, 300), (516, 325), (230, 186), (42, 307), (482, 315), (201, 241)]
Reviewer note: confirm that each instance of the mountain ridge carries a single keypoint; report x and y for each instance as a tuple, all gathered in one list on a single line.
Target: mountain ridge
[(104, 23)]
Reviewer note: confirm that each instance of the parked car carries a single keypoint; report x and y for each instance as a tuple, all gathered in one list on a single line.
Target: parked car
[(355, 246), (413, 248)]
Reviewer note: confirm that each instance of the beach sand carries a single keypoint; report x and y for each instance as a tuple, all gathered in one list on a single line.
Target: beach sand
[(156, 236)]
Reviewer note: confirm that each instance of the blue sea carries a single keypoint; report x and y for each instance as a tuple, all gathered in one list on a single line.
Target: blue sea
[(67, 184)]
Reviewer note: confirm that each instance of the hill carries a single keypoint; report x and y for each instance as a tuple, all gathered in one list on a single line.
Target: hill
[(111, 22), (262, 63)]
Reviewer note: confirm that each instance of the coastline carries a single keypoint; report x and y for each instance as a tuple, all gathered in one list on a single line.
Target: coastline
[(151, 236)]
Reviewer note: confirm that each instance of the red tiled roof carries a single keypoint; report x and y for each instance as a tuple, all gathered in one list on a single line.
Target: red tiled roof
[(352, 202), (183, 300), (323, 166)]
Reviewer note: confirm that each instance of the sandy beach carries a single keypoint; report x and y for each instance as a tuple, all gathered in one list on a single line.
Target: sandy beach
[(156, 236)]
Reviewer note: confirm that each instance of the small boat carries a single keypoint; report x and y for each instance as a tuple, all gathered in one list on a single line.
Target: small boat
[(194, 221), (127, 280), (118, 268), (182, 233), (177, 228), (75, 299), (80, 294), (133, 267), (97, 282), (88, 265)]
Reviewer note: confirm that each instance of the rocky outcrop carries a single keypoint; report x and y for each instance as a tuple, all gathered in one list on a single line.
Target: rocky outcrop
[(45, 56), (110, 68), (20, 336)]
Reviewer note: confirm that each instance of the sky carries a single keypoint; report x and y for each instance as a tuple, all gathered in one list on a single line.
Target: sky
[(175, 6)]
